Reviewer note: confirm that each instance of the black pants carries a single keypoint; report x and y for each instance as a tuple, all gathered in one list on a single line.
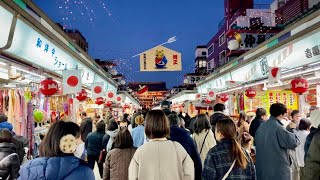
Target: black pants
[(91, 162)]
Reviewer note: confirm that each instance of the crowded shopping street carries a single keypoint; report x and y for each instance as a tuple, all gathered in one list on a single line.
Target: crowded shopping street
[(160, 90)]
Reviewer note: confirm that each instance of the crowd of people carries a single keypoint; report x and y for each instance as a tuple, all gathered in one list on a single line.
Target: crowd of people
[(161, 144)]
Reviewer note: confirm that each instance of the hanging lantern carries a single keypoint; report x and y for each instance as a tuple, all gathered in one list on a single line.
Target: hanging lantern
[(126, 106), (251, 93), (48, 87), (99, 101), (299, 85), (109, 103), (224, 97), (81, 96), (207, 101)]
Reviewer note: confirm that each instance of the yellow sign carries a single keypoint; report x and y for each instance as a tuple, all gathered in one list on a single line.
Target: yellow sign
[(160, 59), (265, 99)]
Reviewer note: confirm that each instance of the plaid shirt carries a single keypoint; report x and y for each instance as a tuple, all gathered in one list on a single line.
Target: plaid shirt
[(219, 161)]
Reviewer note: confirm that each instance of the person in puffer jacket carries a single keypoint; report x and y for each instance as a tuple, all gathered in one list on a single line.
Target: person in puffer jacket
[(57, 161), (9, 159)]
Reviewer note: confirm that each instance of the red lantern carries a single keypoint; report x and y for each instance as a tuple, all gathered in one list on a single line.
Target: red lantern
[(99, 101), (207, 101), (81, 96), (126, 106), (224, 97), (48, 87), (299, 85), (109, 103), (251, 93)]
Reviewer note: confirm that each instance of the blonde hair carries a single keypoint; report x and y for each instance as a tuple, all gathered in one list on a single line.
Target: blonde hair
[(139, 120)]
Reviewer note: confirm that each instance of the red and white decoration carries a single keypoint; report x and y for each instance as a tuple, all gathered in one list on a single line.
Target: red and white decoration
[(109, 103), (97, 90), (118, 99), (198, 97), (142, 89), (81, 96), (48, 87), (274, 75), (99, 101), (211, 95), (232, 83), (71, 81), (224, 97), (299, 85), (111, 95), (251, 93)]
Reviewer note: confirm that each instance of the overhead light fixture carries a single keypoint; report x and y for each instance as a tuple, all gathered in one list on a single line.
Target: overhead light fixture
[(313, 78), (300, 73), (28, 72), (2, 63)]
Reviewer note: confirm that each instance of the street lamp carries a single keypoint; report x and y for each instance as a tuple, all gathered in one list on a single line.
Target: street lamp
[(170, 40)]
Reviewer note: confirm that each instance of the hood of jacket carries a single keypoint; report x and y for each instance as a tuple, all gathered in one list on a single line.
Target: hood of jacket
[(88, 120), (50, 168), (6, 125), (113, 134), (8, 148)]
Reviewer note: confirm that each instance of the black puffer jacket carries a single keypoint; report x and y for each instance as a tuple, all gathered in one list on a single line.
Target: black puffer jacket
[(9, 161)]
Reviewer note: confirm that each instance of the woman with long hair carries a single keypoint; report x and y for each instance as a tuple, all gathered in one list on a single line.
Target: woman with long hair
[(242, 126), (227, 159), (57, 160), (118, 159), (203, 136), (160, 157)]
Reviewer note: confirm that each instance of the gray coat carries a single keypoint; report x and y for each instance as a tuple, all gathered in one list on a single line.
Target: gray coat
[(273, 143)]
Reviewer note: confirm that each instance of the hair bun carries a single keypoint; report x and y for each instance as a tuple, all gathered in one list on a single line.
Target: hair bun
[(68, 144)]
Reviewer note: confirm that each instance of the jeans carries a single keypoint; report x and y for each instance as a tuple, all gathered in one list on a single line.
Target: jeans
[(91, 162)]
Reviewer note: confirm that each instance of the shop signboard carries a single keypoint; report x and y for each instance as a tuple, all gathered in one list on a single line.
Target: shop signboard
[(160, 59), (6, 20), (303, 52), (265, 99), (42, 52)]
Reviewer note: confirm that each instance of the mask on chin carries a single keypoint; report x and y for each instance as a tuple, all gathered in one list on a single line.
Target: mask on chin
[(80, 151)]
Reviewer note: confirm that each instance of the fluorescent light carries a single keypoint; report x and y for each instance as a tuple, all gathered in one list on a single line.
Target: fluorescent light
[(28, 72), (2, 63), (233, 89), (313, 78), (299, 73), (254, 84)]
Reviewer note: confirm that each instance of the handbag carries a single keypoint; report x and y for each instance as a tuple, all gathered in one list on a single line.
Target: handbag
[(230, 169), (102, 156)]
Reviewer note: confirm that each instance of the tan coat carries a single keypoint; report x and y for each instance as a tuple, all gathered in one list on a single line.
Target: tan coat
[(158, 160), (209, 143), (117, 164)]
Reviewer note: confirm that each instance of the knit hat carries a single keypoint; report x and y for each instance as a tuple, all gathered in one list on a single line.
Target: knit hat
[(315, 118)]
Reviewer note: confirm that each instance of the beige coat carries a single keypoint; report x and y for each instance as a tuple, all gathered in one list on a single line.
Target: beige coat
[(158, 160), (209, 143)]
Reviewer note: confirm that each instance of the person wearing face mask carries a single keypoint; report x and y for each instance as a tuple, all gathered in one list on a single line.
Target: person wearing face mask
[(295, 118), (261, 116), (57, 160), (272, 144)]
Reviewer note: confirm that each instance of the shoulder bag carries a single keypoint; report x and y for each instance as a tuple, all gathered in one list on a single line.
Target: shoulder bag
[(230, 169), (204, 141)]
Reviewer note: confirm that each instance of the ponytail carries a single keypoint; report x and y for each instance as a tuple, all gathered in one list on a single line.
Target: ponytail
[(238, 154)]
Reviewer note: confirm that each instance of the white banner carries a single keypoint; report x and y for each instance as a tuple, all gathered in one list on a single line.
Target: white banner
[(97, 90), (71, 81)]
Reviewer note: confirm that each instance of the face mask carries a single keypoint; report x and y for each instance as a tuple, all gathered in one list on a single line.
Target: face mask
[(80, 151)]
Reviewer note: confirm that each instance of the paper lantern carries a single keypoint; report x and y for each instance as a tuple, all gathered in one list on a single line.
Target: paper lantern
[(299, 85), (81, 96), (251, 93), (39, 116), (99, 101), (233, 44), (207, 101), (224, 97), (48, 87), (109, 103)]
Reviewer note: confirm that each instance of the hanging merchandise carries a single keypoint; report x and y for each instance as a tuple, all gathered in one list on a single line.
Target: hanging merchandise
[(71, 81), (211, 95), (299, 85), (81, 96), (48, 87), (224, 97), (39, 116), (111, 95), (251, 93), (99, 100), (97, 90)]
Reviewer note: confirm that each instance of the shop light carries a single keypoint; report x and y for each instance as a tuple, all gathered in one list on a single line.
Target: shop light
[(233, 89), (28, 72), (255, 84), (2, 63), (313, 78), (300, 73)]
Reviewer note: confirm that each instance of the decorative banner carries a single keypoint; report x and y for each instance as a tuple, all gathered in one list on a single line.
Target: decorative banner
[(198, 97), (111, 95), (97, 90), (274, 75), (119, 99), (160, 59), (142, 89), (71, 81), (211, 95)]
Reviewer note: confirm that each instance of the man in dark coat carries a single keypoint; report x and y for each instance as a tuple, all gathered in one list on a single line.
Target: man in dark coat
[(217, 115), (311, 168), (273, 143), (86, 126), (261, 116), (183, 137)]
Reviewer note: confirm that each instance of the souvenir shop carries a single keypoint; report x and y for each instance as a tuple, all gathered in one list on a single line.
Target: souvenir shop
[(284, 69), (38, 75)]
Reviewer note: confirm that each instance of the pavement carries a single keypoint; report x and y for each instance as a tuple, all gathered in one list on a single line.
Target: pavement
[(96, 172)]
